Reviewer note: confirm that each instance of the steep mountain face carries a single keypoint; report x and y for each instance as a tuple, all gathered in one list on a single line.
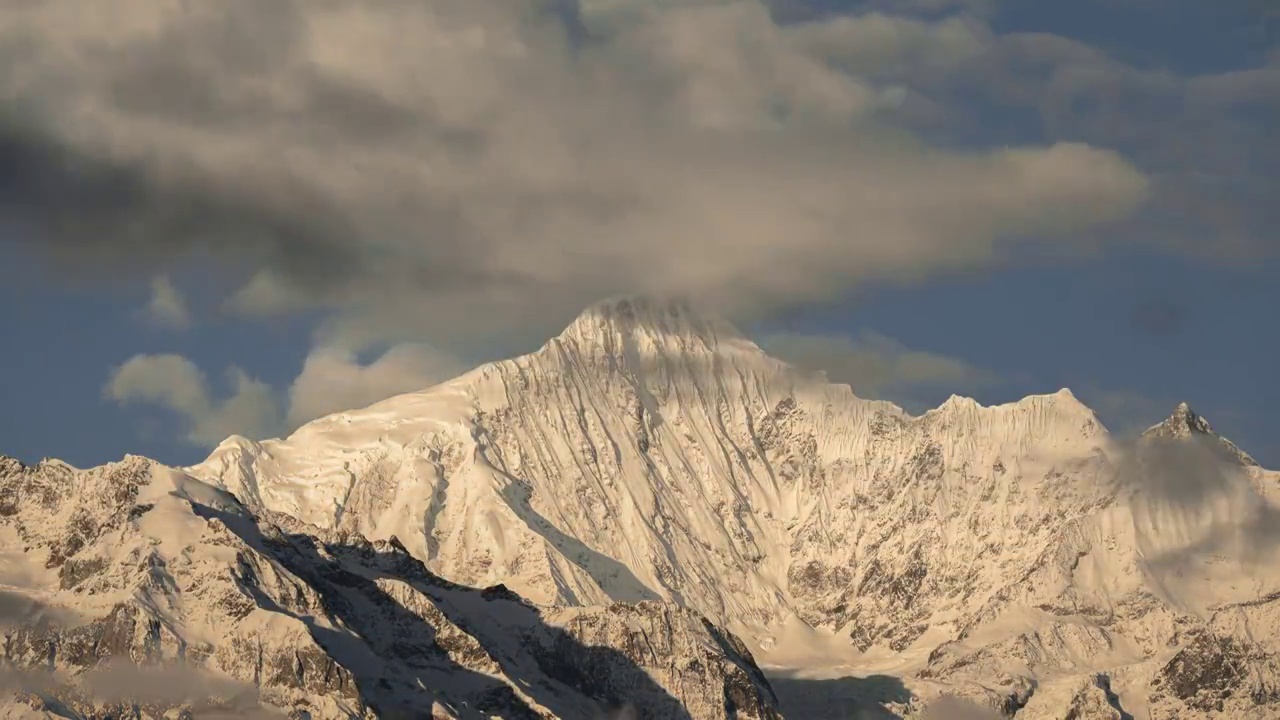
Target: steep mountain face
[(1011, 553), (648, 453), (133, 590)]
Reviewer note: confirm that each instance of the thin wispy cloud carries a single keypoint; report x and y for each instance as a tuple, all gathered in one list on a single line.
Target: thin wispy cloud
[(205, 694), (209, 695), (166, 307), (876, 366), (17, 608)]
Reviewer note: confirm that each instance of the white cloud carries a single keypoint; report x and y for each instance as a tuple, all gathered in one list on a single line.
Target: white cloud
[(427, 169), (332, 380), (166, 308), (876, 366), (212, 695), (175, 383)]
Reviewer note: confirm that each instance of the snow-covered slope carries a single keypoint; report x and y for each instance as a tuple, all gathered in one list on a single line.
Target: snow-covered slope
[(133, 590), (649, 453)]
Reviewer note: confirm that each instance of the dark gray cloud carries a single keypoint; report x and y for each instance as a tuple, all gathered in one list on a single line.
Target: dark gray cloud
[(92, 211), (1206, 140), (1186, 472), (422, 169)]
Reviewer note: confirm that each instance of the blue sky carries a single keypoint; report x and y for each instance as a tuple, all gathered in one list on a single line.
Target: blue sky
[(1146, 304)]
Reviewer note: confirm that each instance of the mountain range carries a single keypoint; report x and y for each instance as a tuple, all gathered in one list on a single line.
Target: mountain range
[(651, 516)]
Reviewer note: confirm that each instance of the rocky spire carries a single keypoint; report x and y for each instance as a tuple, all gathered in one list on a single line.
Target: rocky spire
[(1185, 423)]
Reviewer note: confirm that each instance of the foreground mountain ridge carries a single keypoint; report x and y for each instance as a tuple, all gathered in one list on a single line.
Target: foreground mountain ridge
[(142, 591), (1017, 555)]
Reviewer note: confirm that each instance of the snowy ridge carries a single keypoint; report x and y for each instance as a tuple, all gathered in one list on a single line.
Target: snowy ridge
[(643, 453), (649, 467), (137, 565), (649, 453)]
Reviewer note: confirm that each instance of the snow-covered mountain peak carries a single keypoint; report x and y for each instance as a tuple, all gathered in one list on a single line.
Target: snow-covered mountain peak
[(959, 403), (1186, 424), (1063, 402), (652, 453), (1182, 422), (645, 326)]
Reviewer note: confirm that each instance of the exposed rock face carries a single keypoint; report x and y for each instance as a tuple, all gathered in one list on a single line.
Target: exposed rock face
[(169, 572), (1215, 673)]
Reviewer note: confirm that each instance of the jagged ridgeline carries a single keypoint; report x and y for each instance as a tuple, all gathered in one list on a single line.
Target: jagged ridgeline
[(655, 487), (172, 596)]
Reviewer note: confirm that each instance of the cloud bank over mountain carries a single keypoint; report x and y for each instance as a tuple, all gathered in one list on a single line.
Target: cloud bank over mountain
[(400, 162)]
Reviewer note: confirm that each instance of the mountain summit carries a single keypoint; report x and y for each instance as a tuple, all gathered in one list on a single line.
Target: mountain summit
[(648, 453), (1185, 424), (639, 335), (648, 457), (1181, 423)]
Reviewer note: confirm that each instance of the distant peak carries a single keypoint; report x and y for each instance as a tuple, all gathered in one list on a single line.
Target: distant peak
[(1182, 422), (1185, 423)]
